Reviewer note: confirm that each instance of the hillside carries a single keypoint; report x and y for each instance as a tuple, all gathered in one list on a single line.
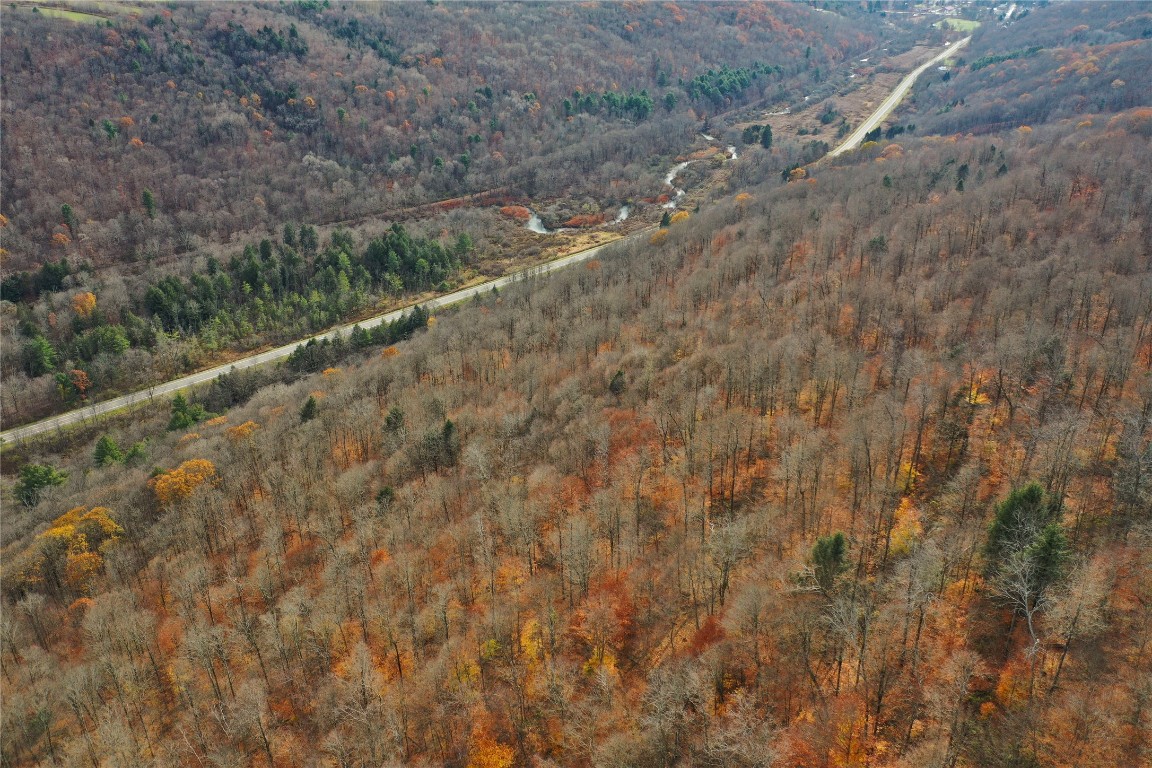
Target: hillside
[(166, 172), (223, 111), (848, 470), (1070, 62)]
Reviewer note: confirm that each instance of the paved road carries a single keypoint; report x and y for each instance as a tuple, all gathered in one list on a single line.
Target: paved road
[(894, 98), (279, 353)]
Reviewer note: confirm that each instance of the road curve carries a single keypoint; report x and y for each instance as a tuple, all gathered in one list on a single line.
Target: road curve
[(279, 353), (894, 98)]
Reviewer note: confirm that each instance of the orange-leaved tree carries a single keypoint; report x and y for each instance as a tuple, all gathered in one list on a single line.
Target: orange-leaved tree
[(178, 484), (486, 752)]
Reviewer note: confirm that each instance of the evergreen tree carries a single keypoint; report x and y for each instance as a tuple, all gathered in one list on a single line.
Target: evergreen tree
[(39, 356), (69, 219), (34, 479), (1027, 552), (1048, 554), (107, 452), (828, 560), (310, 409), (618, 384), (309, 241), (137, 453), (384, 498), (766, 137), (184, 414), (1019, 520), (360, 337), (394, 421), (449, 444)]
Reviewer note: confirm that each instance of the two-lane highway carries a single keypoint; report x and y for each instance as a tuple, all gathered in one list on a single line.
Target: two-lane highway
[(279, 353), (894, 99)]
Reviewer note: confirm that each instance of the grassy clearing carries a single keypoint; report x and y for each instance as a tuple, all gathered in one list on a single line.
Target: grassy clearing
[(961, 25), (60, 13)]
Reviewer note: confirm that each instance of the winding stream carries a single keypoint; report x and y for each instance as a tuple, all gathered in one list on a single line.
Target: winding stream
[(536, 225), (672, 174)]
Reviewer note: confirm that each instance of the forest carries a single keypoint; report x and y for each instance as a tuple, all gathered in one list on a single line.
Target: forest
[(155, 147), (276, 291), (306, 112), (849, 466), (1086, 60)]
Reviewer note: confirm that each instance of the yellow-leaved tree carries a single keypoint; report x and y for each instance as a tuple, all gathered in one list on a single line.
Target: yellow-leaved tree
[(485, 752), (71, 552), (84, 303), (178, 484)]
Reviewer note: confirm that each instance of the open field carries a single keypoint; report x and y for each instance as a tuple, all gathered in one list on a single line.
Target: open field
[(60, 13), (960, 25)]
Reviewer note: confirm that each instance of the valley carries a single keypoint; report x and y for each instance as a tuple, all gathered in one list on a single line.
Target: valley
[(813, 458), (534, 225)]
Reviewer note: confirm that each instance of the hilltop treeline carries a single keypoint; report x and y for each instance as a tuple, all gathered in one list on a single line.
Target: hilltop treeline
[(850, 470), (234, 117)]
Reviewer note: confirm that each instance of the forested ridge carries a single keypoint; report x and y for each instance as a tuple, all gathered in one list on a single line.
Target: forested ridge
[(238, 117), (848, 469), (740, 497)]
